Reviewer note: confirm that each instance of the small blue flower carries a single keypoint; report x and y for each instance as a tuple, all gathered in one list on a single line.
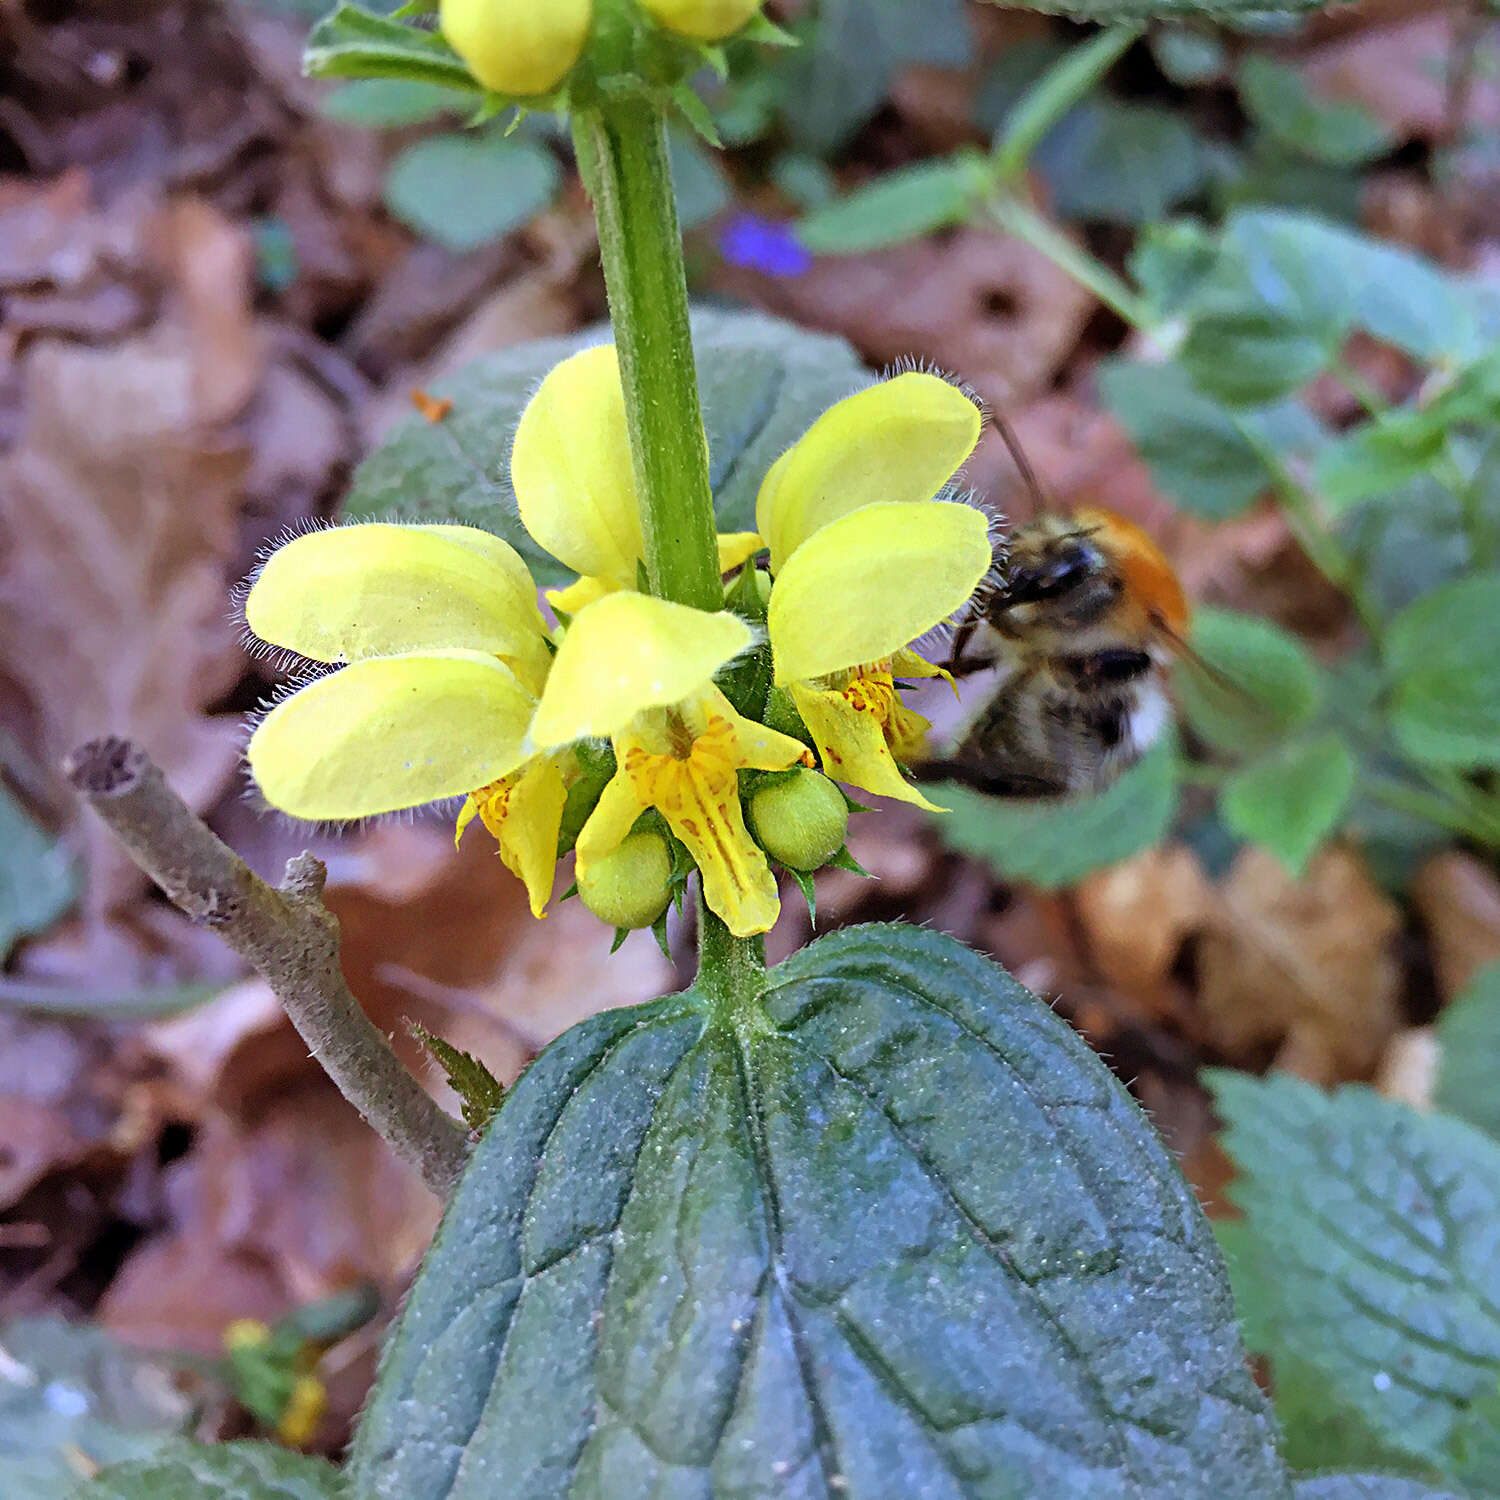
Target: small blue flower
[(763, 245)]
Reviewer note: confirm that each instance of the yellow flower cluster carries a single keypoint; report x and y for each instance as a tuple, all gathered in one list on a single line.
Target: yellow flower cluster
[(450, 681)]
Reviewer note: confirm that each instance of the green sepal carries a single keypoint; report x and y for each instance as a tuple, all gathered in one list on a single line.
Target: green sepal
[(696, 113), (844, 860), (597, 767), (804, 879), (354, 43), (761, 28), (479, 1091), (621, 933), (415, 8), (568, 894), (659, 932)]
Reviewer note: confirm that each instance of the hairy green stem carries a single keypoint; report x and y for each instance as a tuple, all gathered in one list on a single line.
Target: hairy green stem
[(622, 155), (732, 971)]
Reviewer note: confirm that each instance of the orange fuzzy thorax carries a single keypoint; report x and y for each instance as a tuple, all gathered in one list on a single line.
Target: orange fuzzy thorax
[(1149, 578)]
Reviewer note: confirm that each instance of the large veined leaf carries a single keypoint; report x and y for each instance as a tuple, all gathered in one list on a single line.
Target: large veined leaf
[(226, 1471), (1369, 1487), (763, 384), (894, 1232)]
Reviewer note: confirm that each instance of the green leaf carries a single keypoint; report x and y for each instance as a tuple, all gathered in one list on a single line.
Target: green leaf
[(37, 880), (902, 205), (385, 103), (479, 1090), (1166, 10), (1474, 1449), (1379, 456), (227, 1471), (763, 384), (1468, 1033), (1189, 57), (1292, 800), (1337, 132), (1169, 260), (463, 191), (1365, 1264), (72, 1398), (1120, 163), (1055, 842), (1445, 674), (698, 181), (765, 1251), (1272, 685), (1196, 453), (354, 43), (1368, 1487)]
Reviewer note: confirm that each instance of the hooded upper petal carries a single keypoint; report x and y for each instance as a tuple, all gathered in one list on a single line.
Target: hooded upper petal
[(571, 470), (392, 732), (864, 585), (902, 439), (352, 592), (627, 652)]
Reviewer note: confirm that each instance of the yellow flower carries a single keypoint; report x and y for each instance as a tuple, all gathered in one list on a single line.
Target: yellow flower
[(517, 46), (860, 574), (704, 20), (447, 658), (640, 670), (571, 470)]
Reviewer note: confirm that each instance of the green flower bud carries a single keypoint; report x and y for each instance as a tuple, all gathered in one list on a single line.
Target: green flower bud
[(800, 819), (628, 886), (704, 20), (517, 46)]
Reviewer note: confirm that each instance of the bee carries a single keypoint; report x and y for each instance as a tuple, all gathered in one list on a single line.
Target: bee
[(1080, 619)]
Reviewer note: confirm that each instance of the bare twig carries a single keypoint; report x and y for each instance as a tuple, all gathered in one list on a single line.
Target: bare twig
[(287, 934)]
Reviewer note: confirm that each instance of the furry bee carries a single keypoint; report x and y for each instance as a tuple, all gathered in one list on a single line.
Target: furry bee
[(1080, 618)]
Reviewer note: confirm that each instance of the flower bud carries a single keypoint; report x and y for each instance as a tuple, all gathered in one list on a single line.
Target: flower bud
[(704, 20), (628, 887), (800, 819), (517, 46)]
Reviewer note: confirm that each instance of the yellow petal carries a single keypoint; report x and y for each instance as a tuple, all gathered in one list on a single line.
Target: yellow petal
[(351, 592), (613, 817), (393, 732), (570, 468), (528, 834), (754, 746), (582, 591), (736, 547), (868, 583), (627, 652), (853, 745), (901, 440)]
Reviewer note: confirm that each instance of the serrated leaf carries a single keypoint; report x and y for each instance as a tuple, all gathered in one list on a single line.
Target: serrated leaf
[(763, 383), (1054, 842), (1122, 163), (1292, 800), (1373, 1229), (1368, 1487), (899, 1232), (1338, 132), (38, 882), (463, 191), (227, 1471), (1445, 674), (355, 43), (1196, 453), (1272, 685), (384, 103), (479, 1090), (1468, 1032), (902, 205)]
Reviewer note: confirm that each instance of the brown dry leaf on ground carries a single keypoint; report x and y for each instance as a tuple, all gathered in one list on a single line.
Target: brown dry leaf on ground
[(973, 301), (1458, 897), (1305, 967)]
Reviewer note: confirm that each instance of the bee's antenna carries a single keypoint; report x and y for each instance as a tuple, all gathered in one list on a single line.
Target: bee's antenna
[(1018, 454)]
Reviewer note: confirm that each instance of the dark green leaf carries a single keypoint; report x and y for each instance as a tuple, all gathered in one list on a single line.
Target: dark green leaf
[(228, 1471), (1196, 453), (1338, 132), (479, 1090), (1365, 1265), (1169, 260), (1011, 75), (1053, 842), (463, 191), (1121, 163), (354, 43), (1272, 685), (1368, 1487), (72, 1398), (383, 103), (902, 205), (763, 383), (1468, 1033), (1266, 174), (1474, 1449), (1292, 800), (37, 880), (770, 1253), (1445, 674)]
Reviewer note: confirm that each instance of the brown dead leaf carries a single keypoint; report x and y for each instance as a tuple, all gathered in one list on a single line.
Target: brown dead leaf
[(1303, 966), (1458, 897), (974, 301), (1408, 1071)]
